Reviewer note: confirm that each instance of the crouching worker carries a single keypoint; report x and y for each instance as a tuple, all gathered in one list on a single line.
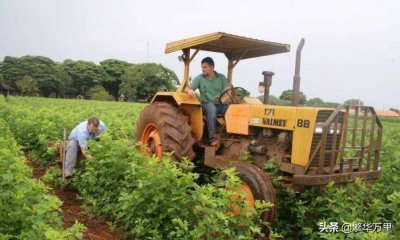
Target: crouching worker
[(77, 142)]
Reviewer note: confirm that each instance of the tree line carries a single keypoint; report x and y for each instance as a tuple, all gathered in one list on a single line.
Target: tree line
[(285, 99), (109, 80)]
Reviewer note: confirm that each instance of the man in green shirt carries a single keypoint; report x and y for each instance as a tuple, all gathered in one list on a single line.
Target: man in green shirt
[(211, 85)]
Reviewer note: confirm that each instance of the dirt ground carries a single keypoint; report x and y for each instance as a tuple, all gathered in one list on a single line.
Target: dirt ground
[(72, 210)]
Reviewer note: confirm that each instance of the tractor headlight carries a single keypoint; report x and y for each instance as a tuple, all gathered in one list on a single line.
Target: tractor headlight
[(318, 128), (337, 128)]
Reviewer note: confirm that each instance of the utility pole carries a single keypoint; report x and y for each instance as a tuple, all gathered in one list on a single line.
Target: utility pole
[(147, 51)]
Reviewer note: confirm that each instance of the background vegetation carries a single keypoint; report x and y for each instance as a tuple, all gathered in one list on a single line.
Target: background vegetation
[(41, 76)]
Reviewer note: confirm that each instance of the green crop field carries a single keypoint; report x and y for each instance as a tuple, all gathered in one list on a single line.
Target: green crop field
[(151, 199)]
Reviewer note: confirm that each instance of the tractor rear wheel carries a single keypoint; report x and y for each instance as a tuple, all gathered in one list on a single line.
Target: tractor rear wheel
[(257, 186), (162, 127)]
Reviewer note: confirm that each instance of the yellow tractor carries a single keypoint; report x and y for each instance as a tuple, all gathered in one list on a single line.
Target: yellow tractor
[(311, 146)]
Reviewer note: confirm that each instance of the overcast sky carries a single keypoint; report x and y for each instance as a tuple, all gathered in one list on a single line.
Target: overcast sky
[(352, 48)]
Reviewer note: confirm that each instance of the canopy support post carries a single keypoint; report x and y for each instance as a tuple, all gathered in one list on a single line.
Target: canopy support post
[(232, 64), (186, 59)]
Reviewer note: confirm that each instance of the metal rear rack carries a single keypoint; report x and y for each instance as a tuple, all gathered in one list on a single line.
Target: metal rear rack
[(353, 149)]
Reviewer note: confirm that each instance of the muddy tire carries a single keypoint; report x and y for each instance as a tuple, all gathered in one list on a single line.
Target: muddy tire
[(260, 185), (162, 127)]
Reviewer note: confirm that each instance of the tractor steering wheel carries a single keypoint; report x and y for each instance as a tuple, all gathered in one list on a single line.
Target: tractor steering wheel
[(238, 93)]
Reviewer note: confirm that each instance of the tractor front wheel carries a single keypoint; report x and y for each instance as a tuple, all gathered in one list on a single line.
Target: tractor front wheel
[(257, 186)]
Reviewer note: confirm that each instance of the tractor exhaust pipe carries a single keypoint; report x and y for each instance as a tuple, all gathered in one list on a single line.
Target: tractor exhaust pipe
[(296, 78), (267, 83)]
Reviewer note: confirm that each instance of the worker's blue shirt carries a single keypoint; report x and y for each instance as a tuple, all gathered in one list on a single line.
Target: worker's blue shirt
[(82, 134)]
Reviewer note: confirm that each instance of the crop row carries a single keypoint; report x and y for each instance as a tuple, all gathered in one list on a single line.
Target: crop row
[(27, 209), (36, 121), (163, 200), (146, 197)]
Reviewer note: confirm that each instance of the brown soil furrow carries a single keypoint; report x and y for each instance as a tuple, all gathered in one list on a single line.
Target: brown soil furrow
[(72, 210)]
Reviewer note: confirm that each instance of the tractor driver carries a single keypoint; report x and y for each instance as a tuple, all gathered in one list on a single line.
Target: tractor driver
[(77, 141), (211, 85)]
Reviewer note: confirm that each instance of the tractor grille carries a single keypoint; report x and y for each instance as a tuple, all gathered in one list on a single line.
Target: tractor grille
[(322, 117)]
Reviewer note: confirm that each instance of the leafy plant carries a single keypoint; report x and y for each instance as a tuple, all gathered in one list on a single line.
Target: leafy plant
[(27, 210), (161, 199)]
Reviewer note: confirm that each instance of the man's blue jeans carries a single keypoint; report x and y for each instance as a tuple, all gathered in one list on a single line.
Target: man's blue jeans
[(211, 110)]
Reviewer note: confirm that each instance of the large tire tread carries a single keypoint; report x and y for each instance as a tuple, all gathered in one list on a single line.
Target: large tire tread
[(260, 185), (173, 126)]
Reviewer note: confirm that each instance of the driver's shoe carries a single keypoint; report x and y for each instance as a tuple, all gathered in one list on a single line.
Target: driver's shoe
[(67, 175), (214, 143)]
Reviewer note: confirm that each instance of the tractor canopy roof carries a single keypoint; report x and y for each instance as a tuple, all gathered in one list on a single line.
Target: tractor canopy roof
[(233, 46)]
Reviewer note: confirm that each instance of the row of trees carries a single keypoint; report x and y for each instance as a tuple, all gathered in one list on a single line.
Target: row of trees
[(37, 75), (285, 99)]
